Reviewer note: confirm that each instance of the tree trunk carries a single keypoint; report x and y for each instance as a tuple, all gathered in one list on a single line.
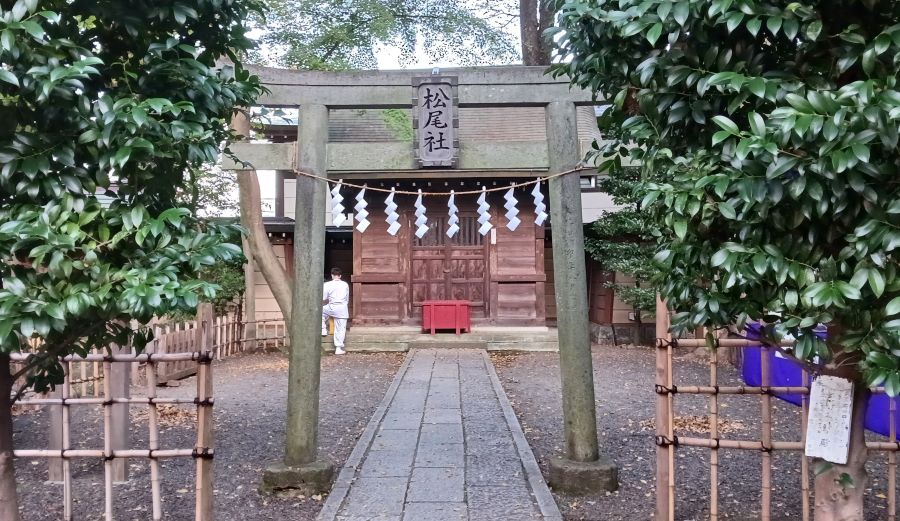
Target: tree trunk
[(547, 15), (529, 27), (251, 217), (838, 499), (9, 503)]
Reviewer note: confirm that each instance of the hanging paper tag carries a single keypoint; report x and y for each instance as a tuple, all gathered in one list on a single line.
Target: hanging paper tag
[(390, 210), (337, 209), (830, 418), (361, 213)]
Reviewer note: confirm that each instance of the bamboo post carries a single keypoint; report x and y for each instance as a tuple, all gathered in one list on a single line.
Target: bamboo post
[(714, 435), (66, 465), (804, 461), (766, 402), (663, 420), (55, 432), (153, 437), (204, 446), (892, 463), (107, 443), (119, 378)]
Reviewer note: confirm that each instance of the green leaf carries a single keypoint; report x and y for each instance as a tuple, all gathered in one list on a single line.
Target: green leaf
[(88, 136), (813, 30), (727, 210), (753, 25), (8, 77), (7, 40), (122, 156), (757, 125), (893, 307), (654, 33), (758, 87), (868, 61), (726, 124), (680, 227), (774, 24), (719, 258), (720, 136), (139, 116), (34, 29), (682, 11), (876, 282), (137, 215)]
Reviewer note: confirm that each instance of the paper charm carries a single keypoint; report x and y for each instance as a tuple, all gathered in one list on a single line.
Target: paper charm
[(337, 209), (484, 213), (511, 211), (421, 219), (360, 209), (540, 209), (453, 219), (390, 209)]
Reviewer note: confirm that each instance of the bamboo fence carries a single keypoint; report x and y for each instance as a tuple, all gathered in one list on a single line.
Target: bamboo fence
[(202, 451), (668, 440)]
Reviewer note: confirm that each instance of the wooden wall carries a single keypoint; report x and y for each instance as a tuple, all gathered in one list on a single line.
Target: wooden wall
[(600, 298), (502, 274)]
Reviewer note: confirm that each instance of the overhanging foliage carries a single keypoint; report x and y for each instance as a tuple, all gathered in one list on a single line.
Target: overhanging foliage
[(105, 106), (775, 125)]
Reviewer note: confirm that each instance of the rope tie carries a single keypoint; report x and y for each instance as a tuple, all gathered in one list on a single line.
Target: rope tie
[(541, 179)]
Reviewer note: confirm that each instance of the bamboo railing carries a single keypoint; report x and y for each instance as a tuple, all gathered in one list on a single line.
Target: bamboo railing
[(668, 440), (111, 454)]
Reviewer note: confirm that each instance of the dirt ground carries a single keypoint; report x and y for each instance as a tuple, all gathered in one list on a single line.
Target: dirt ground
[(250, 396), (624, 379)]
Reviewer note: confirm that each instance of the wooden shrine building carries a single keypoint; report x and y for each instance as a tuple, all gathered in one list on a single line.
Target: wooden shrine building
[(505, 124)]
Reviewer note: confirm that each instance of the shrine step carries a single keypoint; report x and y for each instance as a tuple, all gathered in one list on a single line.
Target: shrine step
[(399, 338), (445, 344)]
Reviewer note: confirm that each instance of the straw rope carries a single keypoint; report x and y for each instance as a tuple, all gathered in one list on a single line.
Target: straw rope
[(579, 168)]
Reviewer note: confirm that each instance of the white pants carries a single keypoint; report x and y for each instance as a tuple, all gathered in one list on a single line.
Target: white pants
[(340, 326)]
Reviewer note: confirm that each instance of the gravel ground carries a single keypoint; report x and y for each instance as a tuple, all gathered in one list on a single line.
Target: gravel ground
[(250, 395), (624, 379)]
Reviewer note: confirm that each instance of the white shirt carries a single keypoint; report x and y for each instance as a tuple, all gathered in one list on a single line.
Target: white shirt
[(337, 293)]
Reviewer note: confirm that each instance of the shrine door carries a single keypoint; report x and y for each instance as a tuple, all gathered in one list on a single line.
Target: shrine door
[(445, 268)]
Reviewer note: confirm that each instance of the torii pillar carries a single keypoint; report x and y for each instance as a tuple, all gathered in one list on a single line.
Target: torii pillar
[(302, 470), (581, 470)]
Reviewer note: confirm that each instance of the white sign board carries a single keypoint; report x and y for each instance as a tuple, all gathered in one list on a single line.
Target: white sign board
[(435, 120), (830, 419)]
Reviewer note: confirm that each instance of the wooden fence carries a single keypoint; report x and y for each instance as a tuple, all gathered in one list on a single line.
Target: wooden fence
[(114, 452), (669, 440), (230, 335)]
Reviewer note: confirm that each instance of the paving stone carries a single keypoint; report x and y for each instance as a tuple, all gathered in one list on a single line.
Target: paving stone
[(388, 463), (494, 470), (429, 484), (501, 502), (395, 439), (436, 512), (439, 433), (443, 451), (441, 455), (401, 420), (446, 370), (368, 518), (408, 404), (375, 497), (442, 416)]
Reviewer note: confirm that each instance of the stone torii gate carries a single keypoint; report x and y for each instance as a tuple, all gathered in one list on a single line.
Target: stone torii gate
[(314, 94)]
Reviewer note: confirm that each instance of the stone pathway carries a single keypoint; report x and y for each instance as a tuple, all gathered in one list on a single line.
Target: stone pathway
[(444, 445)]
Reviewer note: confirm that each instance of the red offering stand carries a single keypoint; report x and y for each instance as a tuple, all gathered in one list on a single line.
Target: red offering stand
[(446, 314)]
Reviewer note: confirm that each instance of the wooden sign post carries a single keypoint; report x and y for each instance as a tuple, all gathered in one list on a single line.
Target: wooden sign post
[(830, 419)]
